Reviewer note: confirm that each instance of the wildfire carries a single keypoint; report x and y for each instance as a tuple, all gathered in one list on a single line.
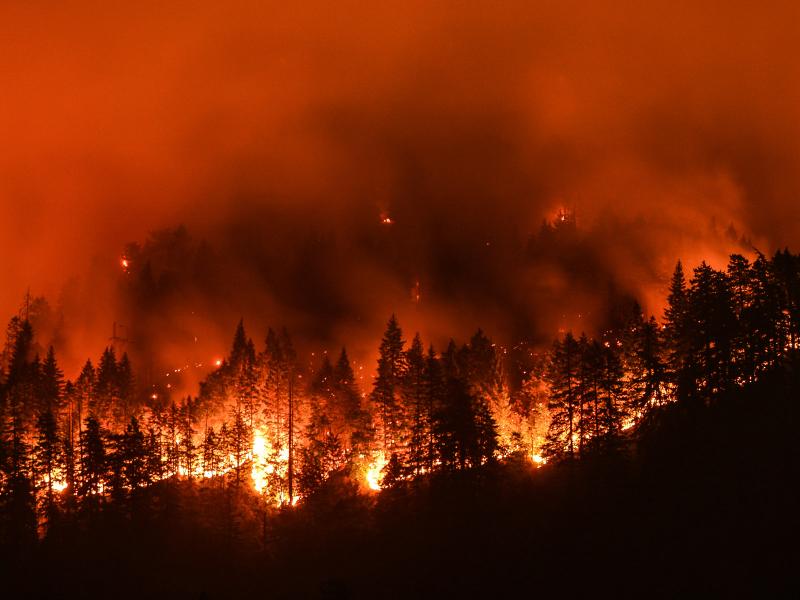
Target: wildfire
[(538, 460), (258, 472), (374, 470), (386, 219), (124, 263)]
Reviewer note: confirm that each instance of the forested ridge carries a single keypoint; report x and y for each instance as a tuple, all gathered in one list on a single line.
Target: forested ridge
[(658, 453)]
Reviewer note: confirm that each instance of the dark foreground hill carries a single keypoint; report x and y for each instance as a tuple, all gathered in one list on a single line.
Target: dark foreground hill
[(702, 502)]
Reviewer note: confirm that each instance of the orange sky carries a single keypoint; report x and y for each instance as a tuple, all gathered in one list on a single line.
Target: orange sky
[(116, 121)]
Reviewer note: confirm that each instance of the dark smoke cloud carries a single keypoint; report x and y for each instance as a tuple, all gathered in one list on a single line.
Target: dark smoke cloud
[(280, 135)]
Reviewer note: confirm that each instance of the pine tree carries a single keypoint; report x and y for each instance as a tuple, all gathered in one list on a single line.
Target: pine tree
[(186, 449), (761, 323), (415, 405), (155, 464), (647, 367), (713, 330), (82, 399), (136, 470), (239, 348), (48, 460), (358, 434), (392, 474), (434, 397), (94, 463), (485, 431), (125, 386), (274, 389), (51, 383), (321, 456), (611, 397), (279, 397), (786, 271), (18, 497), (345, 382), (529, 411), (457, 432), (171, 435), (387, 385), (70, 462), (587, 391), (483, 369), (115, 463), (19, 501), (563, 378), (322, 394), (238, 446), (212, 458), (21, 356), (106, 389), (676, 329), (23, 376), (13, 330), (243, 375)]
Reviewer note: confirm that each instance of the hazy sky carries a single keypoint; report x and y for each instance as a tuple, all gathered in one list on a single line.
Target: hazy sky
[(463, 120)]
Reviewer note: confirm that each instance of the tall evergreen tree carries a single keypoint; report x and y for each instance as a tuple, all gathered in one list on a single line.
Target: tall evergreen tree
[(211, 453), (238, 445), (358, 434), (48, 460), (125, 385), (611, 396), (713, 331), (94, 464), (415, 405), (51, 383), (136, 470), (386, 391), (186, 448), (83, 398), (106, 395), (434, 383), (457, 432), (677, 328), (322, 455), (647, 368), (564, 405), (482, 366), (587, 386)]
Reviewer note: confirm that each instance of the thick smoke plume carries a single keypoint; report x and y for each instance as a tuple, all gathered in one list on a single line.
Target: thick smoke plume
[(285, 139)]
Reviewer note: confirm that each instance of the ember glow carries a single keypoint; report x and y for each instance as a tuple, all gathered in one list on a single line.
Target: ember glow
[(375, 472)]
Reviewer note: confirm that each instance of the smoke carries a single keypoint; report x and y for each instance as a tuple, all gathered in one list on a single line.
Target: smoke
[(281, 136)]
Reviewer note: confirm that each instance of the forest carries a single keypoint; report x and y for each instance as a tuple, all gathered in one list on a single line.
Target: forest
[(657, 452)]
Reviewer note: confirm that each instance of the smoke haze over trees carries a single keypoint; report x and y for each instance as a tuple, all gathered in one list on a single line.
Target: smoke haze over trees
[(283, 136)]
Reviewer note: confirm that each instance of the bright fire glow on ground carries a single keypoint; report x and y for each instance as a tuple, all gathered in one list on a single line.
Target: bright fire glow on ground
[(374, 471), (259, 457)]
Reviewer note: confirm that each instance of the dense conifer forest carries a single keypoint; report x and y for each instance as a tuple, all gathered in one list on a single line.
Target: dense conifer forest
[(658, 455)]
